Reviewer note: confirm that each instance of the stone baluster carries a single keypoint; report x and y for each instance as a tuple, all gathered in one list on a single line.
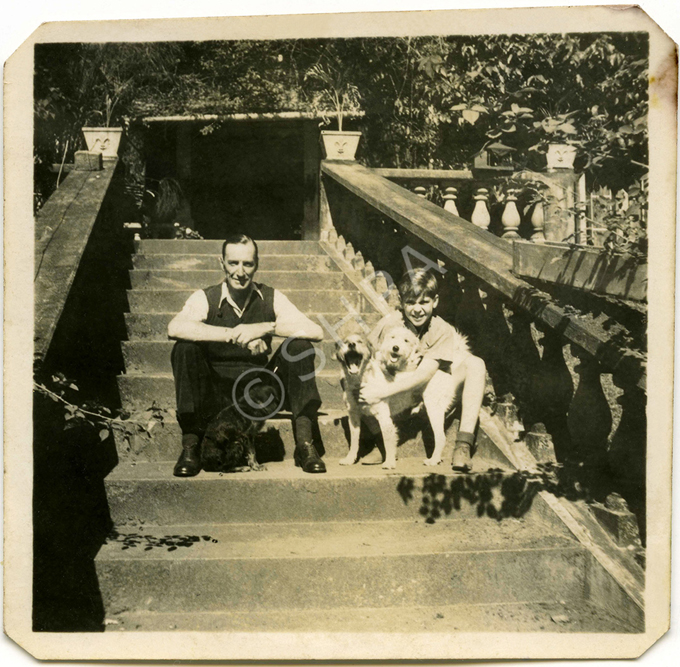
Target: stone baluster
[(508, 413), (470, 312), (481, 216), (522, 362), (381, 285), (492, 341), (419, 189), (348, 253), (540, 444), (368, 271), (538, 223), (510, 217), (358, 262), (628, 448), (554, 390), (340, 244), (589, 419), (450, 196)]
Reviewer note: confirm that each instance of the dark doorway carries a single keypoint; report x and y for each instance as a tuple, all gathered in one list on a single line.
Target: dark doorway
[(238, 176)]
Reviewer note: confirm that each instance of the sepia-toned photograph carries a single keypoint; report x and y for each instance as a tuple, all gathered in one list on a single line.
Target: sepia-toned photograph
[(346, 335)]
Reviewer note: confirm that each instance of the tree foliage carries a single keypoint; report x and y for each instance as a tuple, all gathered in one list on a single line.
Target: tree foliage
[(428, 101)]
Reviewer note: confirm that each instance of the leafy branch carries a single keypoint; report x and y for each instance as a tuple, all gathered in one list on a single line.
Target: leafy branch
[(99, 416)]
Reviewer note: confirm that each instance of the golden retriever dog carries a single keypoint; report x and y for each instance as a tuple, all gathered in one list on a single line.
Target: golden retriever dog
[(398, 353)]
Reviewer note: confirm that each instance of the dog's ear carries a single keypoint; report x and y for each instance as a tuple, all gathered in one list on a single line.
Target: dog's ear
[(336, 349)]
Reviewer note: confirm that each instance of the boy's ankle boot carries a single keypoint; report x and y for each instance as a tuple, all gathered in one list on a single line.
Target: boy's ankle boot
[(189, 462), (462, 452)]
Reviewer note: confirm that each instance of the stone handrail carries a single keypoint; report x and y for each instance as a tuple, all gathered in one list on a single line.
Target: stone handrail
[(553, 368), (63, 229)]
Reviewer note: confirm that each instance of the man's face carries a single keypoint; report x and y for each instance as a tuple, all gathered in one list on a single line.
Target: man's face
[(239, 265), (418, 310)]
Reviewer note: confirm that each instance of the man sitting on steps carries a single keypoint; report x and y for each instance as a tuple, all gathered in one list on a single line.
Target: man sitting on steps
[(224, 332)]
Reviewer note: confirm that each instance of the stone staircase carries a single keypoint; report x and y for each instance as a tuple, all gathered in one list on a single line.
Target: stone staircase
[(356, 549)]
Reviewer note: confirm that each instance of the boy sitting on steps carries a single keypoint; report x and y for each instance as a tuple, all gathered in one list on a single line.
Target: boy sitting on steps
[(443, 348)]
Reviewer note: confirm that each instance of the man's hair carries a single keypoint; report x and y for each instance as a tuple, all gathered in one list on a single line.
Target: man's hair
[(417, 282), (239, 239)]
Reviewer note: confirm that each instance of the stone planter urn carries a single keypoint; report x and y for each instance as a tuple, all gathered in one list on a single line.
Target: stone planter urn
[(340, 145), (104, 140), (560, 156)]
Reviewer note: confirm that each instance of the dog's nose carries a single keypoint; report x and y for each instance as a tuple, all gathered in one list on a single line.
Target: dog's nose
[(351, 345), (395, 348)]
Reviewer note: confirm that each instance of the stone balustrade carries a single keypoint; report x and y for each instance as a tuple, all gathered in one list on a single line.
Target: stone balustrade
[(505, 209), (559, 379)]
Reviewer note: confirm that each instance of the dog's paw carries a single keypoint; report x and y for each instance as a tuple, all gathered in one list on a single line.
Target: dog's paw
[(258, 467), (432, 461), (348, 461), (389, 465)]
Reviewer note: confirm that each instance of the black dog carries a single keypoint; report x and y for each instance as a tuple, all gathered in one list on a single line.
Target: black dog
[(229, 441)]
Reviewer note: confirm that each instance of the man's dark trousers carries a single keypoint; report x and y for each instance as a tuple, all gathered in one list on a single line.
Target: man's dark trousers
[(204, 386)]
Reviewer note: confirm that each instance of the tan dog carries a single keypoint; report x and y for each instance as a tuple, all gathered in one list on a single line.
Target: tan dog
[(399, 353)]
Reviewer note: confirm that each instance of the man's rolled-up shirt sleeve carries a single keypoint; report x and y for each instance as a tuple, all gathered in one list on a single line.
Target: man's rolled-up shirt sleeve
[(289, 320), (195, 308)]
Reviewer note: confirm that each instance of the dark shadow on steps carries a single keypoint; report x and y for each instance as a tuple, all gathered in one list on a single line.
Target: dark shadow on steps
[(70, 519), (496, 494)]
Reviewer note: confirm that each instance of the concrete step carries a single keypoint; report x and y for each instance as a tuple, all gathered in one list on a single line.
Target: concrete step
[(214, 247), (307, 300), (326, 565), (147, 493), (139, 391), (276, 439), (281, 280), (154, 356), (565, 617), (154, 326), (177, 262)]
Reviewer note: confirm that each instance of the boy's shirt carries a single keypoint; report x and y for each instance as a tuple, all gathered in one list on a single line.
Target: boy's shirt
[(438, 339)]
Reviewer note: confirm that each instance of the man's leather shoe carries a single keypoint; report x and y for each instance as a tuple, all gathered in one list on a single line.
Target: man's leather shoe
[(307, 458), (189, 462)]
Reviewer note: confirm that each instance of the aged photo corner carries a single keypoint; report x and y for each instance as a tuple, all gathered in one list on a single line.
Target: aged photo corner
[(348, 336)]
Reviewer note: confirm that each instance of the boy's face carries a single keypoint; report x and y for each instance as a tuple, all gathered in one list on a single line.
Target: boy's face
[(418, 310)]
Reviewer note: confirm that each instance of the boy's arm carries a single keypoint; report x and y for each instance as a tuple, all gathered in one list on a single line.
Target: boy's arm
[(405, 382)]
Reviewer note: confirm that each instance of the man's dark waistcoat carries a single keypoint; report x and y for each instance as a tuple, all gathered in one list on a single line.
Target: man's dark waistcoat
[(257, 310)]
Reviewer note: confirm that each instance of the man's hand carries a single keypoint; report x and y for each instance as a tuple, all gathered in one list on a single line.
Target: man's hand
[(242, 334), (257, 346)]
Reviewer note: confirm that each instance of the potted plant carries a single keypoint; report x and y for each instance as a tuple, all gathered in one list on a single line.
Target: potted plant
[(556, 136), (110, 91), (115, 74), (339, 95), (559, 140)]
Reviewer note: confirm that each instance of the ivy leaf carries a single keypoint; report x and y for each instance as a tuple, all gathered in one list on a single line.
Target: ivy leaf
[(74, 387), (470, 116), (103, 434)]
